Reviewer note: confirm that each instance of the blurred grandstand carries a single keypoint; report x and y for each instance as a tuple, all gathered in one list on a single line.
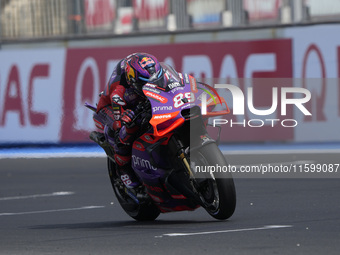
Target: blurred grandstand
[(26, 19)]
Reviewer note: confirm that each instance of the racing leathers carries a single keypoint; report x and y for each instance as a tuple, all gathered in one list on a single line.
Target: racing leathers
[(115, 116)]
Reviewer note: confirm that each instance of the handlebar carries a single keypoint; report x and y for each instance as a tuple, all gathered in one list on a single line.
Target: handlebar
[(142, 114)]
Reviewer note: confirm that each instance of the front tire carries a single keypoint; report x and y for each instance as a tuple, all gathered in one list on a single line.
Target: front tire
[(217, 190)]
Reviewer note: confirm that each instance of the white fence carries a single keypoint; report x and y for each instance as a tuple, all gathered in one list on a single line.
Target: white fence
[(53, 18)]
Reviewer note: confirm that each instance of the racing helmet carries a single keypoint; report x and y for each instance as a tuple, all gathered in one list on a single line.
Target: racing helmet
[(141, 68)]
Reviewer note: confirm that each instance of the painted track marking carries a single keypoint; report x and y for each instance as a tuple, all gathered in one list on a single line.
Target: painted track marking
[(51, 211), (226, 231), (60, 193)]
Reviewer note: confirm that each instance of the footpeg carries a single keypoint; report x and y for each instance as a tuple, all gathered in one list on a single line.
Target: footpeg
[(99, 138)]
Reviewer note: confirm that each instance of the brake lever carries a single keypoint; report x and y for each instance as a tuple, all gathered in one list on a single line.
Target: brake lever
[(142, 108)]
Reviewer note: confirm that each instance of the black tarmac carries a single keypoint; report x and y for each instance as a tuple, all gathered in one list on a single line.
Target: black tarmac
[(67, 206)]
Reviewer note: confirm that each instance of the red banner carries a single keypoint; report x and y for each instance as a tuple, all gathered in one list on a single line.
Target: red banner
[(87, 71)]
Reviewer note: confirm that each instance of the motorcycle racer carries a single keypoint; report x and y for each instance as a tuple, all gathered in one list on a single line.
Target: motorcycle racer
[(117, 105), (154, 135)]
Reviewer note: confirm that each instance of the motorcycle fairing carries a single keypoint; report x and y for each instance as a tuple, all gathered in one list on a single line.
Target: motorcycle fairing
[(153, 166), (154, 177), (168, 102)]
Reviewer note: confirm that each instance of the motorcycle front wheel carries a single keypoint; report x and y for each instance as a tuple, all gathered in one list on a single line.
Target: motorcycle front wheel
[(216, 189)]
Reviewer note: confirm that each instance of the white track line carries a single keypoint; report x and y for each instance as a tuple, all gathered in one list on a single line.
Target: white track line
[(279, 151), (51, 211), (52, 155), (60, 193), (226, 231)]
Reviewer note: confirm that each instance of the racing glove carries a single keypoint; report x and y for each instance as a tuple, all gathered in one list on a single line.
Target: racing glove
[(129, 128), (127, 118)]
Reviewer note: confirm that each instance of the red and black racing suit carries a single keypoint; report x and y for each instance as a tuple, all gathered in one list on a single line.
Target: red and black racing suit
[(117, 103)]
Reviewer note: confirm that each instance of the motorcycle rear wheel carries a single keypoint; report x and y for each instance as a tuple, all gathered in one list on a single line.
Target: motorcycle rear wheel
[(142, 211)]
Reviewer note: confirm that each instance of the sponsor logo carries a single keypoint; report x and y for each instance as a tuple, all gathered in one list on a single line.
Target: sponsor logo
[(156, 96), (193, 84), (116, 115), (165, 116), (152, 90), (161, 108), (118, 100), (148, 138), (140, 162), (176, 89), (186, 78), (139, 146), (130, 73), (174, 85), (146, 61), (98, 124), (150, 85)]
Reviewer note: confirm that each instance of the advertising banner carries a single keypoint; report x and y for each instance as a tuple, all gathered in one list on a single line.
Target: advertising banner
[(316, 66), (43, 91), (89, 69), (31, 95)]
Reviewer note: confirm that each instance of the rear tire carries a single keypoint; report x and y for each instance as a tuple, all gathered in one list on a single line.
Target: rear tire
[(143, 211), (217, 189)]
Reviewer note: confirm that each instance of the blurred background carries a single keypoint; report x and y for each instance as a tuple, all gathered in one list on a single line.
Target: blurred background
[(24, 19), (57, 54)]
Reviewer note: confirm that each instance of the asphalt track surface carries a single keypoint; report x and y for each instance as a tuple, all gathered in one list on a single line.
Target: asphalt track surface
[(67, 206)]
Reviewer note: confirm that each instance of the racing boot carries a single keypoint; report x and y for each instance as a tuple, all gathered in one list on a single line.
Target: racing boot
[(126, 173)]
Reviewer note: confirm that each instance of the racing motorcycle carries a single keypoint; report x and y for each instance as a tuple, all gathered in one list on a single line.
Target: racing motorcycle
[(172, 146)]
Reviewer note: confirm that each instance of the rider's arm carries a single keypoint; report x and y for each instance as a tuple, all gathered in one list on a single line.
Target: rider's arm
[(123, 116)]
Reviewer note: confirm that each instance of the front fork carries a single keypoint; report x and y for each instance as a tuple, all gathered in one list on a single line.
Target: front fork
[(184, 159), (192, 187), (178, 149)]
